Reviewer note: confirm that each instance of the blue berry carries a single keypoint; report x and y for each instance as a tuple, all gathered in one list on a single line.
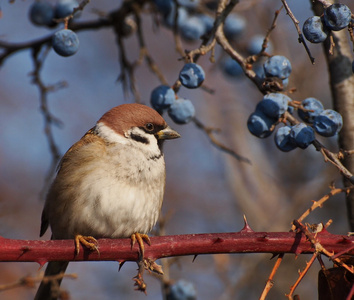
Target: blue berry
[(42, 13), (234, 25), (259, 124), (302, 135), (255, 45), (277, 66), (310, 104), (273, 105), (64, 8), (182, 290), (181, 111), (65, 42), (282, 139), (192, 28), (191, 75), (162, 97), (314, 31), (231, 67), (337, 16), (328, 123)]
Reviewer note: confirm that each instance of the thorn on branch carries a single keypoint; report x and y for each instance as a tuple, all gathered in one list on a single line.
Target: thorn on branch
[(246, 226)]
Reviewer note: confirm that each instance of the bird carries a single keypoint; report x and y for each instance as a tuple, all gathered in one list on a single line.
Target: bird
[(109, 184)]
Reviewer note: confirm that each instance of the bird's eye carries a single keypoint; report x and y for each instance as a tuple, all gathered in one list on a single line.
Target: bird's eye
[(149, 126)]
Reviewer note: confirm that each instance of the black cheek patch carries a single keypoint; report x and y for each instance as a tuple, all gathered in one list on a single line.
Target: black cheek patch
[(139, 138)]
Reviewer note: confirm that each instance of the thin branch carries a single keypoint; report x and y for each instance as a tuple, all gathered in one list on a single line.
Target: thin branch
[(270, 281), (334, 159), (223, 10), (296, 23), (319, 248), (8, 48), (254, 58), (316, 204), (145, 53), (209, 131), (39, 55), (301, 276), (319, 203), (29, 281)]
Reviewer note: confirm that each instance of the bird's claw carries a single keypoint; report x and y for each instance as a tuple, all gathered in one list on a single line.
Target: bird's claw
[(140, 238), (139, 283), (88, 241)]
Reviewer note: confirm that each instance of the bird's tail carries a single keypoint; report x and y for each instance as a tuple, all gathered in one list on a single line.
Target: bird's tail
[(49, 287)]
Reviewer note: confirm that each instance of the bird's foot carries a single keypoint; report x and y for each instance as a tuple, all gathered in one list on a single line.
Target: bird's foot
[(88, 241), (140, 238), (139, 283)]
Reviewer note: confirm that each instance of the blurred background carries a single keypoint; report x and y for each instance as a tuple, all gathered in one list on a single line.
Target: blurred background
[(207, 190)]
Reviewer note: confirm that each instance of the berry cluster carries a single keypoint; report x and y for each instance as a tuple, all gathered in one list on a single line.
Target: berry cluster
[(192, 24), (65, 42), (335, 18), (194, 20), (180, 110), (272, 108), (253, 46)]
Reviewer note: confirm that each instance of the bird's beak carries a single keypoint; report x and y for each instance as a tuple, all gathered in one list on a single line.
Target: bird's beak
[(167, 134)]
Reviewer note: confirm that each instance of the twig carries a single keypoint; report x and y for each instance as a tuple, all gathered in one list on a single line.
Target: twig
[(296, 23), (319, 248), (254, 58), (319, 203), (270, 281), (38, 60), (334, 159), (351, 293), (67, 19), (11, 48), (301, 276), (316, 204), (222, 13), (126, 75), (145, 53), (29, 281), (209, 131)]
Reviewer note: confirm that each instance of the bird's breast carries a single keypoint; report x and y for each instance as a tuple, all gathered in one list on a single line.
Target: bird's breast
[(116, 196)]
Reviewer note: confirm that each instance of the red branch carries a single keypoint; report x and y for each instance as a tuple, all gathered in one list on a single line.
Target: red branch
[(245, 241)]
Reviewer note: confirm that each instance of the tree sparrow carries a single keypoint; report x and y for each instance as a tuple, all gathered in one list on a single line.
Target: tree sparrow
[(110, 184)]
